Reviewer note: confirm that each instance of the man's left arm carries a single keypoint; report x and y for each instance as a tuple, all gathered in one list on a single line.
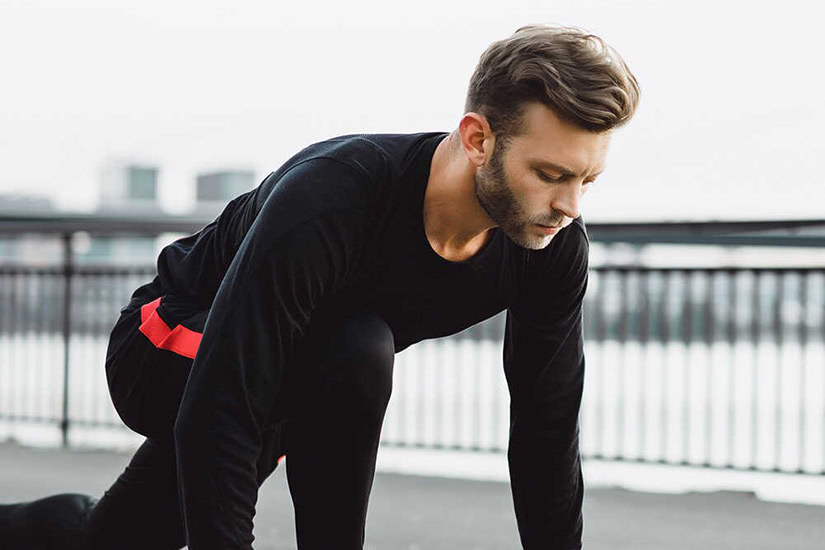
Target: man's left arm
[(544, 366)]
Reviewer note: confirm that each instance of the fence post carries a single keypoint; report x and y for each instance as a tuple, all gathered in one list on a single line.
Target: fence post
[(68, 271)]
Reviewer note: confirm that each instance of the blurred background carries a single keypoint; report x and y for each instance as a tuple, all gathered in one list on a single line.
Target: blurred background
[(124, 125)]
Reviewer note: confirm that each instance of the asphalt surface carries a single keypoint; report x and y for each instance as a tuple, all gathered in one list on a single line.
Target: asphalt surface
[(424, 513)]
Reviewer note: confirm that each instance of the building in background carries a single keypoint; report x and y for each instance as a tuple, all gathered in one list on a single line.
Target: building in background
[(214, 189), (27, 248), (127, 188), (16, 202)]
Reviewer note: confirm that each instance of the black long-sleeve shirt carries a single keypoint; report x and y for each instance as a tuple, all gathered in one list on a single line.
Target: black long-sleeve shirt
[(340, 225)]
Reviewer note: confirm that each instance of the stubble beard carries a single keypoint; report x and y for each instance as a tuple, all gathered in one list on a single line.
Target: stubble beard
[(496, 197)]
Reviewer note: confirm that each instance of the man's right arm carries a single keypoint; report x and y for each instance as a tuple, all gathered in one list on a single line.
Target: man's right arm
[(301, 247)]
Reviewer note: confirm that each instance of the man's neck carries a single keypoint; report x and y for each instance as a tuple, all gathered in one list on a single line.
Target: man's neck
[(455, 223)]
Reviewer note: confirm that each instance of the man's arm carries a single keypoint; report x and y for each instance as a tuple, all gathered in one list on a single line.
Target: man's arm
[(302, 246), (544, 365)]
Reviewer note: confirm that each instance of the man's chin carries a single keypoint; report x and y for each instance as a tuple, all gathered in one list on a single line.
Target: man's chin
[(540, 243), (530, 241)]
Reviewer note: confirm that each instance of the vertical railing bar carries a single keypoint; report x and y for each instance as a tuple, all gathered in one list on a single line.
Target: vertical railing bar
[(756, 299), (54, 325), (458, 404), (25, 307), (644, 336), (478, 405), (40, 334), (403, 409), (687, 339), (416, 400), (3, 332), (438, 416), (822, 340), (494, 395), (93, 327), (83, 303), (11, 326), (108, 321), (587, 328), (664, 306), (803, 345), (105, 320), (7, 313), (710, 329), (68, 269), (732, 336), (26, 330), (779, 297), (601, 337), (621, 337), (80, 325)]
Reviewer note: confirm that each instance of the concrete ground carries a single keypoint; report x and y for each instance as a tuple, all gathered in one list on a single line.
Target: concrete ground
[(428, 513)]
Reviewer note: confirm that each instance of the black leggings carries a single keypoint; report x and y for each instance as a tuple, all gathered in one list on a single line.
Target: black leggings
[(336, 392)]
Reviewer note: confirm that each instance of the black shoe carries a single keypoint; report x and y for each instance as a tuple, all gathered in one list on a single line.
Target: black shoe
[(51, 523)]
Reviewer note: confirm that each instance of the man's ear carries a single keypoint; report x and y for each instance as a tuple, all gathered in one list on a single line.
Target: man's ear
[(477, 138)]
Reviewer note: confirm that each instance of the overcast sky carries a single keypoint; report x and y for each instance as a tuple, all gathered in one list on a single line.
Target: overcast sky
[(729, 127)]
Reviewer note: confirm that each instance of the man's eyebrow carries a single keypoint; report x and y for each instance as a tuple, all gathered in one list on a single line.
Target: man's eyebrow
[(558, 168)]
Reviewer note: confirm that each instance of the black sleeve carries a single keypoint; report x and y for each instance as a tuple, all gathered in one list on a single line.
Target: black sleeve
[(303, 245), (544, 366)]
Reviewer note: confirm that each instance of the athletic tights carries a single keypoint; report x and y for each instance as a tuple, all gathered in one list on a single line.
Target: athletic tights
[(335, 394)]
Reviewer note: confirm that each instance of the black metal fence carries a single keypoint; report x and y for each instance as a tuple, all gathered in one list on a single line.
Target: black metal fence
[(738, 376), (719, 367)]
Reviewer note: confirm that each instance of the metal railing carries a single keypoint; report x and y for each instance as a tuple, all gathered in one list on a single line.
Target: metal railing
[(720, 368)]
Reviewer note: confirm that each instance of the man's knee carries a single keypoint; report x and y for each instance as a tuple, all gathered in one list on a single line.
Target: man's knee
[(362, 351)]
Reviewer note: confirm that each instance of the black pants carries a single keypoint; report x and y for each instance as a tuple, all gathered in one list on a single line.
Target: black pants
[(336, 392)]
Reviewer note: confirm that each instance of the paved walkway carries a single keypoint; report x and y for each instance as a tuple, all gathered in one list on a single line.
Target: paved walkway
[(426, 513)]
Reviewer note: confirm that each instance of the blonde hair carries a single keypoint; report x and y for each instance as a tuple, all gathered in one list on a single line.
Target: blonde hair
[(574, 73)]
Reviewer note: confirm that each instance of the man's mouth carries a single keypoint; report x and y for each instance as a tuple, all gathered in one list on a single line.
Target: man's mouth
[(549, 229)]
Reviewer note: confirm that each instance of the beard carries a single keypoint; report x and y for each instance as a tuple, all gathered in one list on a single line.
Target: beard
[(495, 194)]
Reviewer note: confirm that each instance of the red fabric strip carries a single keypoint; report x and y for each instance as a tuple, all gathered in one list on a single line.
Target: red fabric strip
[(180, 340)]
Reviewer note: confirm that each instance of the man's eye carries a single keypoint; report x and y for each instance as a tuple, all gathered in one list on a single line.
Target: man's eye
[(551, 179)]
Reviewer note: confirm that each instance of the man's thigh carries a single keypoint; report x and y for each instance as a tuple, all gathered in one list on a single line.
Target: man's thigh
[(151, 352), (148, 363)]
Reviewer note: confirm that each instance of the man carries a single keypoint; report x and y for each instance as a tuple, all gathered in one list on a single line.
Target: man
[(304, 288)]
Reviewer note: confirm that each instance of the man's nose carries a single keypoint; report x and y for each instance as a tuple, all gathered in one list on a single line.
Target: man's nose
[(568, 199)]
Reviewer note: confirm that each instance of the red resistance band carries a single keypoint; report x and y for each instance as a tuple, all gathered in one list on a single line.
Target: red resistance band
[(180, 339)]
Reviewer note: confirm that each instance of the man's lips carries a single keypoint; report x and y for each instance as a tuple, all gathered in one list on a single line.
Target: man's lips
[(549, 229)]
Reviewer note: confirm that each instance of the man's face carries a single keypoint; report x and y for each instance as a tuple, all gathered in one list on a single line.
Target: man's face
[(516, 186)]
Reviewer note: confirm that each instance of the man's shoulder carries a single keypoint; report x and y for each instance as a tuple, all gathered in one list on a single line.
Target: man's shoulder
[(579, 223)]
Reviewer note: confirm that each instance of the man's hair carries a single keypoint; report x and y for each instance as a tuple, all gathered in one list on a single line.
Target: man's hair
[(574, 73)]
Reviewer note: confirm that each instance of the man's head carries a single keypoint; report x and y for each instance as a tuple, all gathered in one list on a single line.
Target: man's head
[(546, 100)]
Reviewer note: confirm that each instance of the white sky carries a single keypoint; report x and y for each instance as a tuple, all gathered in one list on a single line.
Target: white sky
[(730, 124)]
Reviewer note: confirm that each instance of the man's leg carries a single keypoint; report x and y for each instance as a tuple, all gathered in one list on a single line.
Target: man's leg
[(141, 508), (332, 438), (49, 523)]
